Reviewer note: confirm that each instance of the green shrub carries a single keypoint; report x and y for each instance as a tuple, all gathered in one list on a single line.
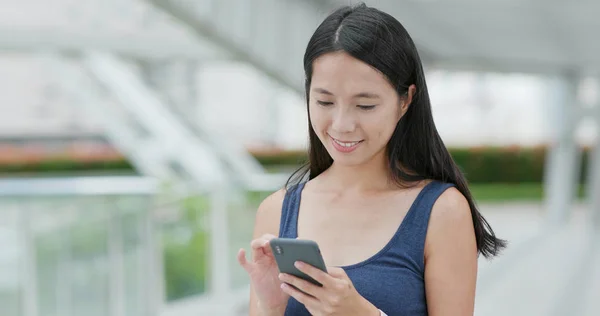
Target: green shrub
[(501, 165), (281, 158), (186, 251), (510, 164), (186, 267), (66, 165)]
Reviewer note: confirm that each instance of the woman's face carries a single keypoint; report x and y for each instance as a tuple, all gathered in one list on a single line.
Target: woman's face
[(353, 108)]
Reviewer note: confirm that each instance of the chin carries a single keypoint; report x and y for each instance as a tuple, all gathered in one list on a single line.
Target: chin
[(349, 160), (357, 158)]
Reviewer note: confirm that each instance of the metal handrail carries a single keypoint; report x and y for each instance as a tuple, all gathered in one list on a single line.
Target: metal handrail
[(78, 186)]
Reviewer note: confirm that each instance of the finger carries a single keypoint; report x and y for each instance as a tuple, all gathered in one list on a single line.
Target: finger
[(320, 276), (337, 272), (262, 241), (267, 246), (301, 284), (303, 298), (258, 243), (260, 246), (241, 257), (341, 281)]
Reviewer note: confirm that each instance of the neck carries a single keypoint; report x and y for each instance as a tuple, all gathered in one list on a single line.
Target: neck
[(371, 176)]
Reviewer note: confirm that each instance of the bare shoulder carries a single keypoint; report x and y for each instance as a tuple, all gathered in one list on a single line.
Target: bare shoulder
[(450, 206), (450, 221), (268, 214)]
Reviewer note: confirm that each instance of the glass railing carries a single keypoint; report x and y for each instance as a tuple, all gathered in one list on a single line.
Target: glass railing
[(75, 246), (118, 246)]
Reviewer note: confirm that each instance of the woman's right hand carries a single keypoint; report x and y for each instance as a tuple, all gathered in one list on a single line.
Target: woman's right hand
[(264, 274)]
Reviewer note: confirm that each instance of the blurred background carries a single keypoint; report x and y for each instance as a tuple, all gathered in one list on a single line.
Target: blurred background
[(137, 138)]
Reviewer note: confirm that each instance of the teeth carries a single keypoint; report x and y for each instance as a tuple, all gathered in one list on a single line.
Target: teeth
[(345, 144)]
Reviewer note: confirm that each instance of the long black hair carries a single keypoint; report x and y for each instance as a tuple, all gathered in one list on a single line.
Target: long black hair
[(415, 151)]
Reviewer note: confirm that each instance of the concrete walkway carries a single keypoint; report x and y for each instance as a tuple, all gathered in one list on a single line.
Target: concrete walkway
[(546, 270)]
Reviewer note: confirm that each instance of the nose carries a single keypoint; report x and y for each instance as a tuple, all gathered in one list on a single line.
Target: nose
[(344, 121)]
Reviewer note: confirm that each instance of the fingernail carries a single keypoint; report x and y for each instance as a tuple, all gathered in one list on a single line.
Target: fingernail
[(298, 264), (281, 276)]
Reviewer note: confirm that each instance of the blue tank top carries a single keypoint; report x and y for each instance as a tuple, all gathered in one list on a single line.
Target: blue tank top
[(393, 279)]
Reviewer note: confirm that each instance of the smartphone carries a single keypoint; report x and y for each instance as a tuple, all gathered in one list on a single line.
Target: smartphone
[(289, 250)]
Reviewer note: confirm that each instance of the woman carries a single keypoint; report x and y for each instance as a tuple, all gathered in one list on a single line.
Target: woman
[(390, 210)]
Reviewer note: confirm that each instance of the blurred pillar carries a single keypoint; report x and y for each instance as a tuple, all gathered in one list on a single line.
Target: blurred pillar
[(153, 258), (143, 276), (65, 270), (564, 156), (220, 276), (29, 297), (593, 193), (116, 273)]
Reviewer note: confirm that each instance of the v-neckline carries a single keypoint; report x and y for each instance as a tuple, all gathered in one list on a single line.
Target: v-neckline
[(390, 242)]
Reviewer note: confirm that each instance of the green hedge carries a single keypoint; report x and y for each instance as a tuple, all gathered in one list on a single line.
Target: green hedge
[(480, 165), (501, 165), (66, 165)]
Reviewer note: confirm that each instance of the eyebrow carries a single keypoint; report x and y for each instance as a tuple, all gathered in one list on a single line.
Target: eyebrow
[(368, 95)]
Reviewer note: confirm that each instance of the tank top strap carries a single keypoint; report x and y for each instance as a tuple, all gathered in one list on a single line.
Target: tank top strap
[(288, 224), (415, 224), (418, 216)]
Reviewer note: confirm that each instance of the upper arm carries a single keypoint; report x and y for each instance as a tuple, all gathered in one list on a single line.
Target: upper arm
[(266, 221), (268, 215), (450, 257)]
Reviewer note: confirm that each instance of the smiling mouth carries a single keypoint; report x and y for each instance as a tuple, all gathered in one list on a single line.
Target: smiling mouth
[(346, 144)]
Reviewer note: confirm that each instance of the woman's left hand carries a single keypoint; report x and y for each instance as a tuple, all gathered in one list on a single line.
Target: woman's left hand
[(337, 296)]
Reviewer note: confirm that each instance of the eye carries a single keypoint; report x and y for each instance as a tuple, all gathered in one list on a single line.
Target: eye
[(324, 103), (366, 107)]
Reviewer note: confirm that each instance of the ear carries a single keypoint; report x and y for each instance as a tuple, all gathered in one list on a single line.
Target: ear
[(405, 103)]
